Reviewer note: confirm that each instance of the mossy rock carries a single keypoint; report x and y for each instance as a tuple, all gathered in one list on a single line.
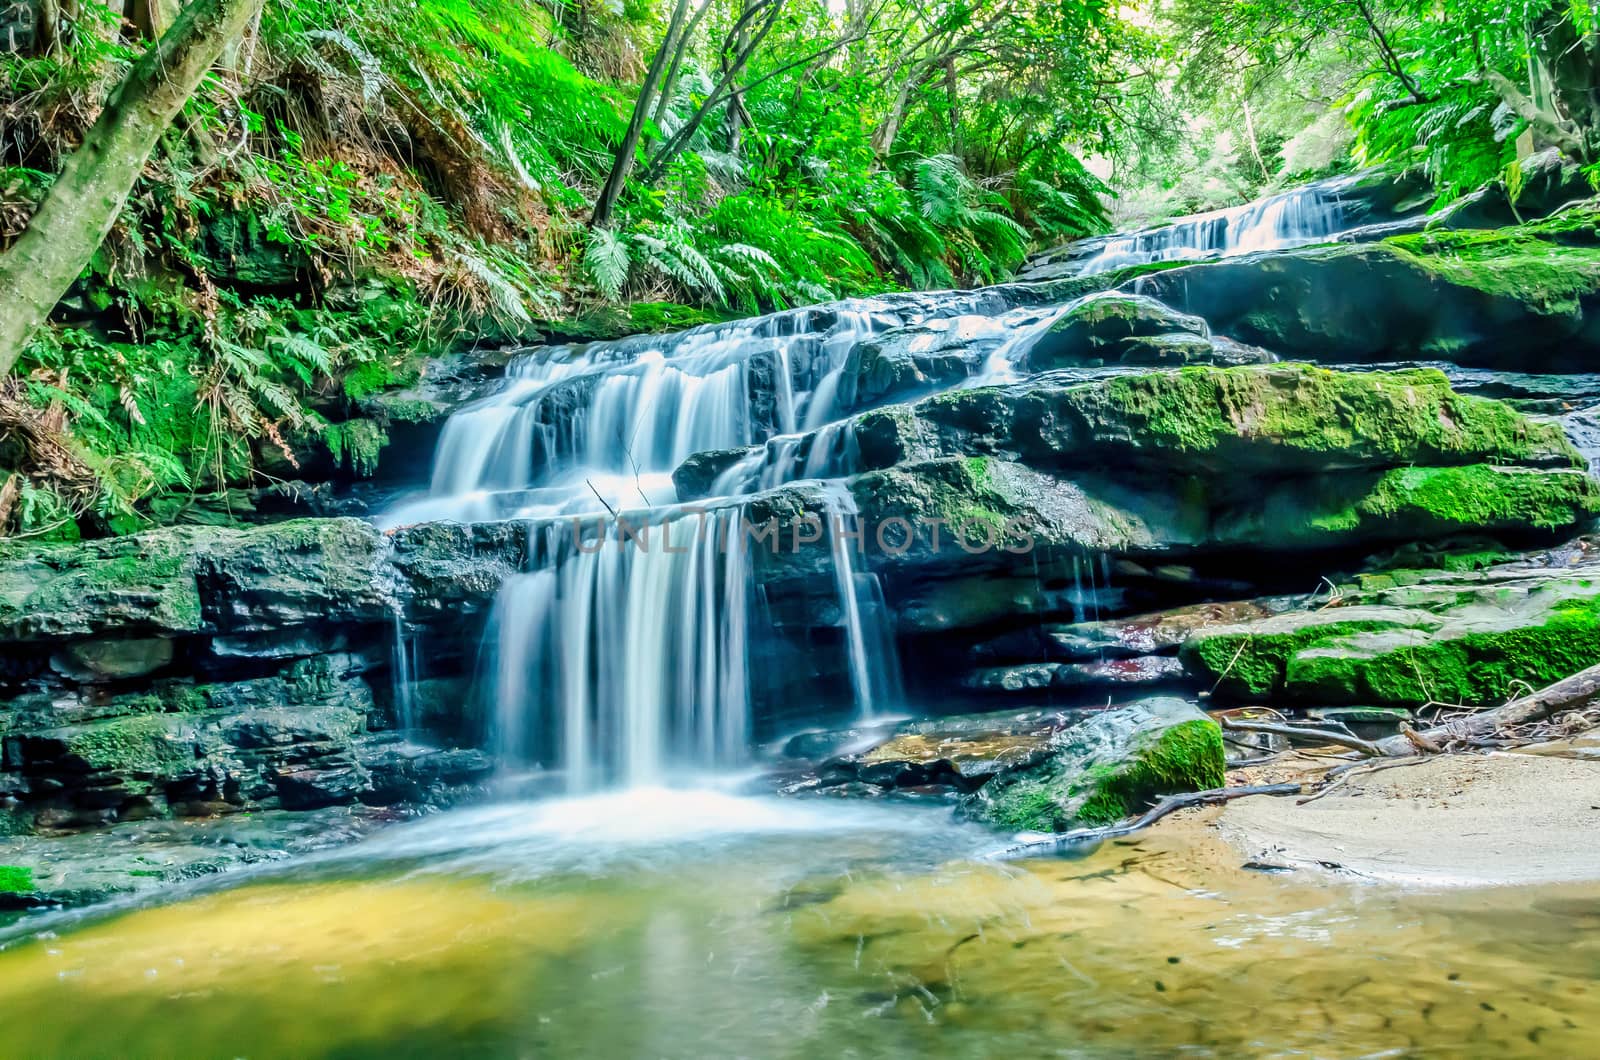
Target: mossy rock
[(191, 579), (1482, 644), (1108, 769), (1096, 329), (146, 746), (1519, 299), (1409, 504), (1278, 419)]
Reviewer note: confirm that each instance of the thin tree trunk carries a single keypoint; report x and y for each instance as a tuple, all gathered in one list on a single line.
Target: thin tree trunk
[(953, 98), (680, 48), (622, 167), (93, 186), (679, 140)]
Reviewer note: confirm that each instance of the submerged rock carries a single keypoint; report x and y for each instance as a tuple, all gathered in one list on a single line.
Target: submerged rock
[(1111, 767)]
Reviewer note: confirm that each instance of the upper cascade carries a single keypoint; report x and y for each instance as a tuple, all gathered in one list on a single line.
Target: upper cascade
[(1311, 214), (579, 429)]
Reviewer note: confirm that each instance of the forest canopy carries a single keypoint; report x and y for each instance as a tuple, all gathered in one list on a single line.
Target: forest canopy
[(358, 184)]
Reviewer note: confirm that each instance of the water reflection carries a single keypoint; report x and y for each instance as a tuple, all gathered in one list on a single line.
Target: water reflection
[(699, 924)]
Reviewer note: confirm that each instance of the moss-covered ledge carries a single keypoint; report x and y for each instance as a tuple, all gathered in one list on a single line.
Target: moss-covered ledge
[(1279, 419)]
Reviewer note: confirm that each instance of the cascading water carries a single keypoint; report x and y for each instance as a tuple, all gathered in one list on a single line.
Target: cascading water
[(577, 429), (621, 659), (1306, 215), (624, 655), (621, 655)]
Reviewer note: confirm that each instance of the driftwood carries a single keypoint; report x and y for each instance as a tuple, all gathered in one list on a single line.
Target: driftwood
[(1366, 747), (1580, 690), (1170, 804)]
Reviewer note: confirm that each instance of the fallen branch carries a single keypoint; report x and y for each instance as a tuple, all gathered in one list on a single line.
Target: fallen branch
[(1170, 804), (1366, 747), (1580, 690), (1336, 777)]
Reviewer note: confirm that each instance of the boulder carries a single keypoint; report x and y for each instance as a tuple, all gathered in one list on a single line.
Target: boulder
[(1111, 767), (193, 579), (1100, 327), (1280, 419), (694, 478), (1519, 299), (958, 753)]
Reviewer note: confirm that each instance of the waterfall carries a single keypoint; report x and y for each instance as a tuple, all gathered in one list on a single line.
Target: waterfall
[(624, 655), (869, 632), (575, 429), (1306, 215), (827, 453)]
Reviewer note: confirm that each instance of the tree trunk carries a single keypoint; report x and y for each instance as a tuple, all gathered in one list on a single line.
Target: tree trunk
[(93, 186), (953, 100), (669, 84), (622, 165)]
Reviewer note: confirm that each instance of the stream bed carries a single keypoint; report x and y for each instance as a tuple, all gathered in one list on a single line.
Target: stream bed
[(673, 923)]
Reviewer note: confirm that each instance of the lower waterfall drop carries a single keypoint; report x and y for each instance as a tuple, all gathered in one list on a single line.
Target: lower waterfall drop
[(624, 656)]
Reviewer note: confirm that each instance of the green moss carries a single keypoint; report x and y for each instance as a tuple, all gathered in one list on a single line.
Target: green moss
[(1384, 418), (356, 444), (140, 744), (1186, 757), (1535, 264), (14, 879), (1252, 664), (1101, 778), (65, 585), (1456, 499), (1475, 668)]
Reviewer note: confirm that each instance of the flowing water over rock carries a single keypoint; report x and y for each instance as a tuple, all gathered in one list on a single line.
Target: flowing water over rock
[(1311, 214)]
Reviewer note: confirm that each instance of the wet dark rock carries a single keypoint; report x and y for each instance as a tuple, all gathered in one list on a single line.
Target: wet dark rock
[(1108, 327), (694, 477), (959, 753), (102, 660), (917, 359), (1112, 673), (1532, 306)]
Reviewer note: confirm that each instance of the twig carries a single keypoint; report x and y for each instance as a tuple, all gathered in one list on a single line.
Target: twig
[(1578, 692), (1170, 804), (1346, 772), (602, 500), (1366, 747)]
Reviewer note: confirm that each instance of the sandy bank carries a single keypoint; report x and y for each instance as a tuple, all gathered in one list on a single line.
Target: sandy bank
[(1456, 821)]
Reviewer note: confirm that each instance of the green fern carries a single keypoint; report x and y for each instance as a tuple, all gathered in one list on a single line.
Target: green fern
[(606, 260)]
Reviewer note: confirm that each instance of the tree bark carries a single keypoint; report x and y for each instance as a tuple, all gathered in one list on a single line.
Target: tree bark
[(1579, 690), (627, 151), (93, 186)]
